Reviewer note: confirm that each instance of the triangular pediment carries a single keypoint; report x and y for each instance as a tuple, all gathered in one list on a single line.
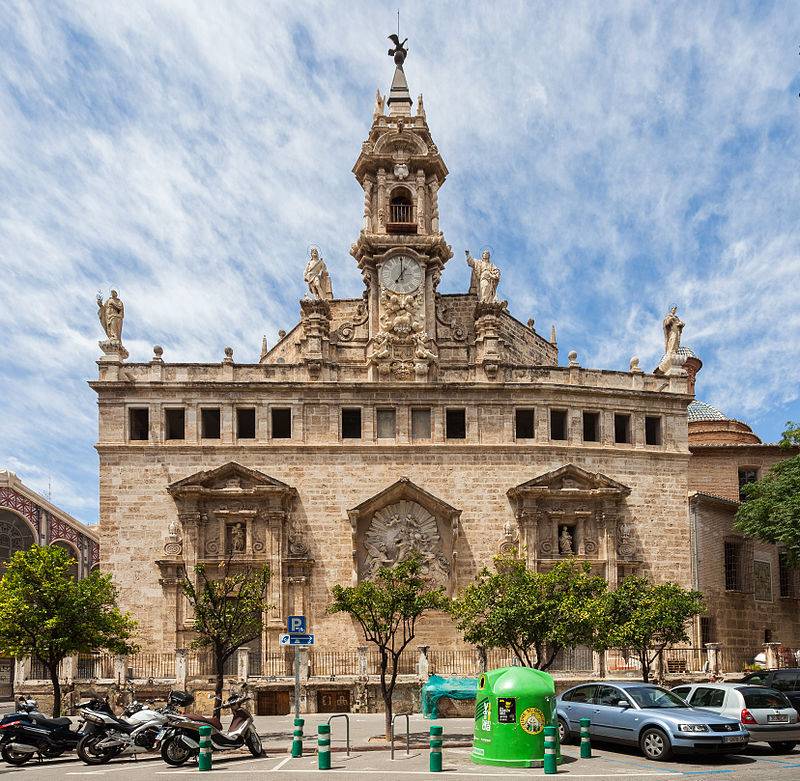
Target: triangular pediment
[(404, 489), (228, 477), (570, 478)]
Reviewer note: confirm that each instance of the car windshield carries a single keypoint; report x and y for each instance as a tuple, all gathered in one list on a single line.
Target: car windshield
[(654, 697), (764, 698)]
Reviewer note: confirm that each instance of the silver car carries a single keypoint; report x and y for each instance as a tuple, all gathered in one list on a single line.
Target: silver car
[(765, 713)]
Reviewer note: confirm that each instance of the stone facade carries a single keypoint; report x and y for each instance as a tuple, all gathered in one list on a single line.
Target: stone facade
[(403, 420)]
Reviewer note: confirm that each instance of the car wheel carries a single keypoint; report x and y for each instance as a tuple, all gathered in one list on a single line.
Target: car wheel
[(564, 735), (654, 744), (782, 746)]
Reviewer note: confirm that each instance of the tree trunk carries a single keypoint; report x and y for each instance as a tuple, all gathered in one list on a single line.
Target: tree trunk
[(645, 662), (53, 670), (219, 682), (387, 698)]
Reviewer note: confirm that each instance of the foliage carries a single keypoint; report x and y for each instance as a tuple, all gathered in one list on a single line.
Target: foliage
[(535, 614), (646, 617), (771, 510), (387, 608), (47, 613), (228, 611)]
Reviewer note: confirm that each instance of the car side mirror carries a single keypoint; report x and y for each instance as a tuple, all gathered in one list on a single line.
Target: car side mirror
[(623, 704)]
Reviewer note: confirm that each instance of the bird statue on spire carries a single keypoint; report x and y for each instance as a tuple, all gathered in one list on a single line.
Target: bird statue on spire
[(399, 52)]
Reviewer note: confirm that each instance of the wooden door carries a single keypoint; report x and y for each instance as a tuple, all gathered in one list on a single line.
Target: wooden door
[(272, 702)]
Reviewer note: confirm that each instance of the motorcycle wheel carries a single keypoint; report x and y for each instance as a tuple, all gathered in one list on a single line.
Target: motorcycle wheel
[(92, 755), (15, 757), (174, 752), (253, 742)]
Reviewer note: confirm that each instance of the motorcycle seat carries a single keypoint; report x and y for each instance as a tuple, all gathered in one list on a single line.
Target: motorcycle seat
[(214, 722), (58, 723)]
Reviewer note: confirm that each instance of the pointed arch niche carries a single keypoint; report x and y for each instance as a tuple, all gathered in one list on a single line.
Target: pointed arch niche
[(571, 512), (401, 520)]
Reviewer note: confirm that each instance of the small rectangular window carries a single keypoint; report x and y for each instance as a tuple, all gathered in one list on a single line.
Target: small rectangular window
[(707, 634), (785, 576), (245, 423), (421, 423), (387, 423), (456, 424), (652, 430), (733, 566), (174, 424), (139, 423), (209, 423), (622, 428), (523, 423), (591, 426), (747, 475), (351, 423), (281, 423), (558, 424)]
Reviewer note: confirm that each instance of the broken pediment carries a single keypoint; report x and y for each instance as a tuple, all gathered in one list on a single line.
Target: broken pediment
[(570, 480)]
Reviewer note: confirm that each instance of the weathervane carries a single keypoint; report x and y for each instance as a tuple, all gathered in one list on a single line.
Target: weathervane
[(399, 52)]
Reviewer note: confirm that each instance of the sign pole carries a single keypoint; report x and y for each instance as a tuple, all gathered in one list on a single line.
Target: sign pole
[(296, 682)]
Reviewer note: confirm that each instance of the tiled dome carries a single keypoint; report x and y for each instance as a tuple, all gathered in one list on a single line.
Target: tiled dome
[(684, 352), (699, 410)]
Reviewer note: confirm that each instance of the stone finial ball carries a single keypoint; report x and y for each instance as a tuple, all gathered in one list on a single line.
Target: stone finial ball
[(572, 355), (158, 350), (281, 334), (634, 362), (229, 352)]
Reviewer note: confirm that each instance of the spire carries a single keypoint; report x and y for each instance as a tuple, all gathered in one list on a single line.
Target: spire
[(399, 97), (264, 350)]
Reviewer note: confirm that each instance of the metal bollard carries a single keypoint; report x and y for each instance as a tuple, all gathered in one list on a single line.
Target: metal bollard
[(550, 756), (435, 765), (297, 739), (324, 747), (204, 757), (586, 743)]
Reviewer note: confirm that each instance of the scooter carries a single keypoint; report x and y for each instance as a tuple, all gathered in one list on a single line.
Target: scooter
[(107, 736), (181, 740), (28, 733)]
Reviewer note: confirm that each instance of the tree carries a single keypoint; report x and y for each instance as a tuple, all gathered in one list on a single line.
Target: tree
[(771, 510), (387, 608), (228, 612), (646, 617), (48, 614), (535, 614)]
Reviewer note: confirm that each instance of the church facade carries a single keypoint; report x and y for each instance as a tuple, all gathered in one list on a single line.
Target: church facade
[(406, 420)]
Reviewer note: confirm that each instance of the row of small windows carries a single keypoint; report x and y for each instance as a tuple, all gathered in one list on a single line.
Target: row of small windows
[(386, 424)]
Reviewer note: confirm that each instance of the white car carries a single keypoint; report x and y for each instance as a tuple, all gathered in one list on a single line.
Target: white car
[(766, 713)]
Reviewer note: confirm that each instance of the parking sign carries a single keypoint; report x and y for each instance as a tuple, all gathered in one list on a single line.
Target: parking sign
[(296, 625)]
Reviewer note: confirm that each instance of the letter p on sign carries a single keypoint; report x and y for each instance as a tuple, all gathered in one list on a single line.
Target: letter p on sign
[(296, 624)]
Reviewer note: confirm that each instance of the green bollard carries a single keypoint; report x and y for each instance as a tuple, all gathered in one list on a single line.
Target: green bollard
[(324, 747), (586, 743), (297, 739), (435, 765), (550, 756), (204, 757)]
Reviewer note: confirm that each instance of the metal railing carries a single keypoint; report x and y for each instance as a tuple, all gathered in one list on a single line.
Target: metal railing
[(347, 721), (401, 213), (453, 661), (149, 665), (408, 732), (330, 663), (96, 665), (406, 664)]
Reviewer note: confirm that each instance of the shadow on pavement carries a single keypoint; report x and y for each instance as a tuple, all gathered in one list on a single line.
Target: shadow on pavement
[(684, 759)]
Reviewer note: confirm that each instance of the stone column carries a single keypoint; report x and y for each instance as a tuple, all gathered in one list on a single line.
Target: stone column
[(713, 657), (180, 668), (70, 668), (120, 669), (243, 663), (599, 664), (771, 653), (487, 336), (361, 660), (422, 662)]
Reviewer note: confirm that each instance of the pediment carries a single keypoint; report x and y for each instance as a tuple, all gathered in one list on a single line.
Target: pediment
[(571, 480), (404, 489), (232, 478)]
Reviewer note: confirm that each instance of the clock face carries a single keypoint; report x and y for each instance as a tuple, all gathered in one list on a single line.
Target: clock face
[(401, 274)]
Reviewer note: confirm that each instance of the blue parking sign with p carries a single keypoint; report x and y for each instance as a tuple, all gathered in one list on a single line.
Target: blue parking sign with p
[(296, 624)]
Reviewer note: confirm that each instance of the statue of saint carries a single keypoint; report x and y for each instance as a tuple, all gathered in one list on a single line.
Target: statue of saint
[(485, 277), (237, 538), (565, 541), (673, 327), (317, 278), (111, 314)]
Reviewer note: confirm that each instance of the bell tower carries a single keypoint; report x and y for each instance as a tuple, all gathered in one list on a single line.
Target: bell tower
[(401, 251)]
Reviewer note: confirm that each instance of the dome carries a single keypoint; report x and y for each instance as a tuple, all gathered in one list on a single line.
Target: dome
[(699, 410), (684, 352)]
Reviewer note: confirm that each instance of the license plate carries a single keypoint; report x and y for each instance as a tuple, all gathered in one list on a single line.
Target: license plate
[(777, 718), (732, 739)]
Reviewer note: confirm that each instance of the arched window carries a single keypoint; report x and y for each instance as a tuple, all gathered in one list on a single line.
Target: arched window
[(401, 212), (73, 570), (15, 534)]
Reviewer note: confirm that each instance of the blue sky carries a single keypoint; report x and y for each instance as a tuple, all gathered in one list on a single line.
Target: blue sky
[(617, 157)]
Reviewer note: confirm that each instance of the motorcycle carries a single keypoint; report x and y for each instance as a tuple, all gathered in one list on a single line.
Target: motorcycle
[(107, 736), (27, 733), (181, 740)]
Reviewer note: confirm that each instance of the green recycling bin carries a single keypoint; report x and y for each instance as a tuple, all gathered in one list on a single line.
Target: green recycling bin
[(512, 707)]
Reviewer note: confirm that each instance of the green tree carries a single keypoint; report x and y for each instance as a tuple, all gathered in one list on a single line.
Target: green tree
[(535, 614), (387, 608), (47, 613), (646, 617), (771, 511), (228, 611)]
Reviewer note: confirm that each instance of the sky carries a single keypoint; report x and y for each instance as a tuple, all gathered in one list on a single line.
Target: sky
[(617, 157)]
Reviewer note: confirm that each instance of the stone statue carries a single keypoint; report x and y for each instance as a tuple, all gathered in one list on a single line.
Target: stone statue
[(317, 278), (485, 277), (673, 327), (398, 51), (565, 541), (174, 529), (111, 314), (237, 538)]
